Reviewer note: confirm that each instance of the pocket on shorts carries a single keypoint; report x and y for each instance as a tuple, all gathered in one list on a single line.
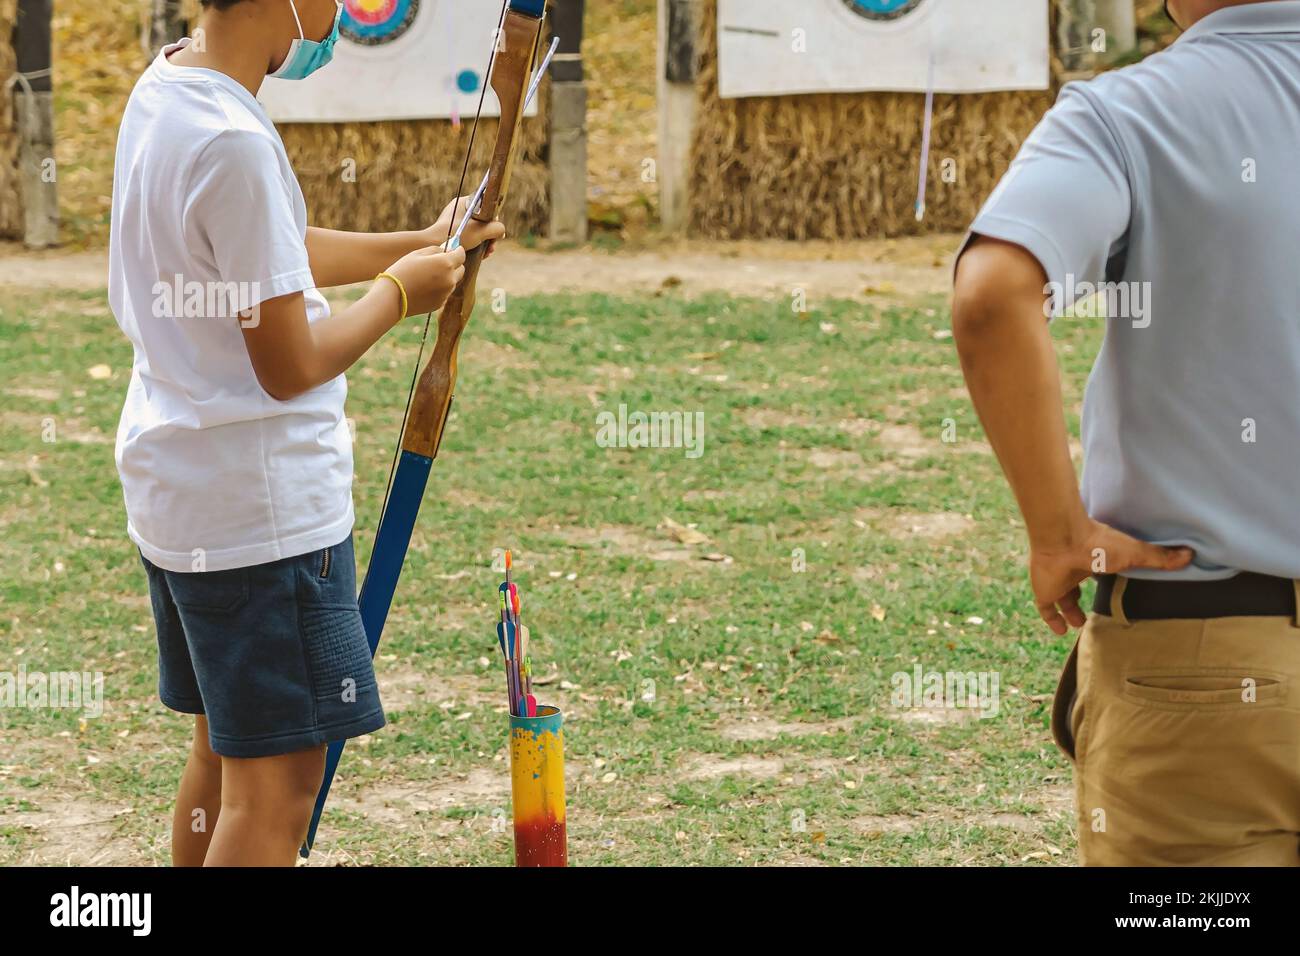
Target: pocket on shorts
[(1210, 690), (337, 652), (219, 592)]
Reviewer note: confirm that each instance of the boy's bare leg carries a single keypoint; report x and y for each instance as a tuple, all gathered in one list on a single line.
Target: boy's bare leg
[(266, 804), (198, 801)]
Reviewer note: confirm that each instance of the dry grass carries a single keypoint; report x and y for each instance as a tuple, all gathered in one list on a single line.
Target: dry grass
[(98, 55), (622, 118)]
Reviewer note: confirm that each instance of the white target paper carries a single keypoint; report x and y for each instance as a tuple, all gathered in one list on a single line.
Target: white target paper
[(397, 60), (780, 47)]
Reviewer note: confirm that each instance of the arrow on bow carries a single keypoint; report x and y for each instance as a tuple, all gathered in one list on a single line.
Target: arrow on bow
[(518, 36)]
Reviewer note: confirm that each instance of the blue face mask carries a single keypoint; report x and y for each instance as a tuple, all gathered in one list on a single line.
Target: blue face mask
[(305, 56)]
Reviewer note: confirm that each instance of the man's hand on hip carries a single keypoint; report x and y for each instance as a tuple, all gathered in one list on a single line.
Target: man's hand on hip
[(1056, 572)]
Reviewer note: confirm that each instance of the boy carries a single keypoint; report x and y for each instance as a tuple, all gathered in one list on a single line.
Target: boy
[(234, 454)]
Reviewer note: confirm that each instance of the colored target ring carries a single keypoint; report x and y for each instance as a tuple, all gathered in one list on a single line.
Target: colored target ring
[(376, 22), (881, 10)]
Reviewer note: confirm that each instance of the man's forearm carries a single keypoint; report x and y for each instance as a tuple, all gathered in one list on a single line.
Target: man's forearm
[(341, 258), (1011, 370)]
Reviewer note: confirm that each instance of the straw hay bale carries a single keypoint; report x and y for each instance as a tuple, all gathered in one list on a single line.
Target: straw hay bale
[(844, 165), (99, 53), (405, 172), (11, 209)]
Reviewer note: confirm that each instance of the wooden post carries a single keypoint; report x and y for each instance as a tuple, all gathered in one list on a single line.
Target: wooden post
[(1119, 19), (32, 88), (1075, 21), (678, 68), (1091, 34), (166, 25), (568, 152)]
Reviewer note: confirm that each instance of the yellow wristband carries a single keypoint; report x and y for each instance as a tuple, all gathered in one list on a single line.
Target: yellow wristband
[(400, 288)]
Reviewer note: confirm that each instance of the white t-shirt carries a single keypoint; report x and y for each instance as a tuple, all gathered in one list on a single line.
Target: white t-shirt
[(208, 220)]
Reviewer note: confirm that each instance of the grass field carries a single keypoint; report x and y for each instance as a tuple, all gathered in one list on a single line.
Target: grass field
[(723, 707)]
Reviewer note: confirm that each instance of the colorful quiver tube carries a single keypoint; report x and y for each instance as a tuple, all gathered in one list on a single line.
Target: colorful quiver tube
[(537, 788)]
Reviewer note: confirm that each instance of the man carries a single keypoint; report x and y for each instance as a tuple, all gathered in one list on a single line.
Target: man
[(1171, 186), (233, 447)]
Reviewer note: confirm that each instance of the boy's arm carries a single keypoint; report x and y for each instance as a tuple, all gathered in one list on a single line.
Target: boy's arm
[(341, 258), (291, 356)]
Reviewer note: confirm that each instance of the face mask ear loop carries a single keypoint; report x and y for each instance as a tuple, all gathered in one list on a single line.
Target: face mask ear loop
[(294, 7)]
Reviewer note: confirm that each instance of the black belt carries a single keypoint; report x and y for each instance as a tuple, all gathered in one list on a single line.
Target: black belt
[(1246, 595)]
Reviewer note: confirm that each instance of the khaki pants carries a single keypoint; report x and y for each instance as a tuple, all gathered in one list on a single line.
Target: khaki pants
[(1185, 739)]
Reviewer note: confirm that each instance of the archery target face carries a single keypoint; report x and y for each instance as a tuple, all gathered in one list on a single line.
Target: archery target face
[(398, 60), (882, 9), (376, 22), (779, 47)]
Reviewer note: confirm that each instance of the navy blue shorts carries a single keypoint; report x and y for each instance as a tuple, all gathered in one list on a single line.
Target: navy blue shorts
[(274, 655)]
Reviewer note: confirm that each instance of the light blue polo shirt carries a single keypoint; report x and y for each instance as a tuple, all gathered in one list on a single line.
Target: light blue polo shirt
[(1173, 186)]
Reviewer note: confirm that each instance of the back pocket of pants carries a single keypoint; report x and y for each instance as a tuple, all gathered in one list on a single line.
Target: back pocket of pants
[(1217, 690), (337, 652)]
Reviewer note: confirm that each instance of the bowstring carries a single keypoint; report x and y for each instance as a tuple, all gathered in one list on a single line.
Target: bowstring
[(428, 319)]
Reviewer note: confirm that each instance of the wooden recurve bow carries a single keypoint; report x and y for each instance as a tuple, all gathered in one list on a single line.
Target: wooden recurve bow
[(426, 420)]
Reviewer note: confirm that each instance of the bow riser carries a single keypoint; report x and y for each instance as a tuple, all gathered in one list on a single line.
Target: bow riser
[(432, 404), (520, 35), (511, 71)]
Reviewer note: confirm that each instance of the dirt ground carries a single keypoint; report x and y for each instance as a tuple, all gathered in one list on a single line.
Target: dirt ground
[(901, 268)]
